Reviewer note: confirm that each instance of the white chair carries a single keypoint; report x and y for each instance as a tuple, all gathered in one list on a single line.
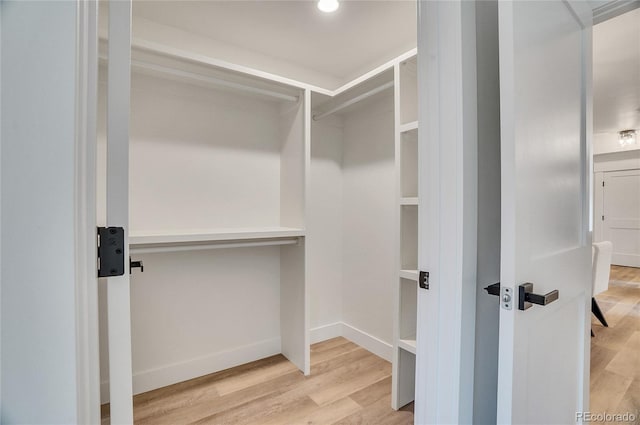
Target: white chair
[(602, 252)]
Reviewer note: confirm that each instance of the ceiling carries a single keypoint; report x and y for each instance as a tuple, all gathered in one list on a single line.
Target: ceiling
[(342, 45), (616, 73)]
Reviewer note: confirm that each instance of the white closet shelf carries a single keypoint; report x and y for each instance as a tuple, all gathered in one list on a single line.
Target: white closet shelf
[(411, 200), (213, 238), (408, 344), (409, 274), (410, 126)]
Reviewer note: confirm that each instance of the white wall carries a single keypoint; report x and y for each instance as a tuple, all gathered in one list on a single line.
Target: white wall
[(38, 360), (351, 226), (149, 31), (369, 219), (200, 159), (609, 143), (324, 227)]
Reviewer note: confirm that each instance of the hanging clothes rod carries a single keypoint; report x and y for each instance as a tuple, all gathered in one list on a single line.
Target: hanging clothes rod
[(211, 80), (354, 100), (202, 247)]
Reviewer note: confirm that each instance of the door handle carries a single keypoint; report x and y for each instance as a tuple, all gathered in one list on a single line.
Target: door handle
[(526, 297)]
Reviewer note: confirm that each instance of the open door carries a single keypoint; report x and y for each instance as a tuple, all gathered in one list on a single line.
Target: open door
[(545, 61)]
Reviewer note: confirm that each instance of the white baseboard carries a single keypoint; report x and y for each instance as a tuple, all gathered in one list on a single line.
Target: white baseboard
[(367, 341), (171, 374), (353, 334), (325, 332)]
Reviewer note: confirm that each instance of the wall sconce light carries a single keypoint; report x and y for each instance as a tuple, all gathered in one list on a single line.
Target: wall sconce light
[(627, 138)]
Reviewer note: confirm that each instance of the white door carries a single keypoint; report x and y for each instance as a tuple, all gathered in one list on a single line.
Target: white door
[(118, 292), (545, 111), (621, 216)]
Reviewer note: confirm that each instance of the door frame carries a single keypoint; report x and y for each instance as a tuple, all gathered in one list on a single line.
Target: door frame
[(85, 252), (446, 327)]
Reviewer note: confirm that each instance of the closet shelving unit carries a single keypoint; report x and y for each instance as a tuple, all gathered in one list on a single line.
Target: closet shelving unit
[(218, 169), (200, 187), (406, 140)]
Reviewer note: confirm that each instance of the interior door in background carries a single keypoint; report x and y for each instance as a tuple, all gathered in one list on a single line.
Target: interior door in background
[(621, 216)]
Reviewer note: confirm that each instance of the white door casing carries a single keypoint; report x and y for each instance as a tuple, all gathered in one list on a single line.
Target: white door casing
[(447, 150), (118, 288), (545, 62), (621, 215)]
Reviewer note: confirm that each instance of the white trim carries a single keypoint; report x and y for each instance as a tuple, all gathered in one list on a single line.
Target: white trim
[(118, 287), (151, 379), (367, 341), (151, 46), (325, 332), (86, 283), (612, 9), (616, 161), (1, 5), (447, 224), (379, 70), (195, 57)]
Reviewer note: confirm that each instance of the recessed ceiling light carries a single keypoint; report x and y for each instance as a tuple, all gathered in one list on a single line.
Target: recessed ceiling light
[(328, 6)]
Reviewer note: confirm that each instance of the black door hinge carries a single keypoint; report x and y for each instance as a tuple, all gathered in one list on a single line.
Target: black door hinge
[(423, 280), (110, 251)]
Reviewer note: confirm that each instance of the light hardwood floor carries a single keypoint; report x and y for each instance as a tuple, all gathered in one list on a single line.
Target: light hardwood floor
[(348, 385), (615, 351)]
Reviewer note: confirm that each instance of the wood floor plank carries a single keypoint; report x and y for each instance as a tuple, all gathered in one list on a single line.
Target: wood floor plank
[(318, 416), (631, 401), (607, 391), (373, 393), (248, 379), (261, 410), (333, 352), (349, 386), (205, 408)]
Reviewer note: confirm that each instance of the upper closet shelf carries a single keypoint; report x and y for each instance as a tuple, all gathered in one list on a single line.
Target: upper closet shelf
[(410, 126), (195, 70), (213, 238)]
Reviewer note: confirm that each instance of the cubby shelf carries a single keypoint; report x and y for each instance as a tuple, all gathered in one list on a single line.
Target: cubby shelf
[(211, 236), (409, 200), (408, 344), (410, 126)]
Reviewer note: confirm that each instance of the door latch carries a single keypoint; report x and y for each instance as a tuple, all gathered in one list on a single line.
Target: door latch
[(110, 251), (526, 297), (135, 265), (423, 280)]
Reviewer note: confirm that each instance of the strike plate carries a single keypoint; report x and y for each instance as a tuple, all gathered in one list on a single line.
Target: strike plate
[(506, 297)]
